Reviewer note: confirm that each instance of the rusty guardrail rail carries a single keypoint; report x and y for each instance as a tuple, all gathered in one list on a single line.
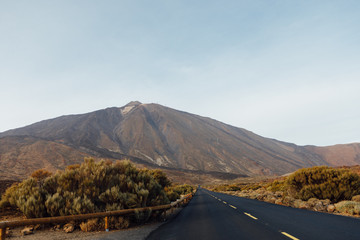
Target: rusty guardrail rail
[(62, 219)]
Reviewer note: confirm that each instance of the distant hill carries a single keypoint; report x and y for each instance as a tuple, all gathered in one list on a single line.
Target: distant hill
[(158, 136)]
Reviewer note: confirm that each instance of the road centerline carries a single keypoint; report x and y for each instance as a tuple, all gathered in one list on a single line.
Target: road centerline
[(289, 236), (249, 215)]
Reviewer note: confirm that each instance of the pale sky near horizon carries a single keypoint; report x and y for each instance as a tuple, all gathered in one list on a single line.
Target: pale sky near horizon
[(288, 70)]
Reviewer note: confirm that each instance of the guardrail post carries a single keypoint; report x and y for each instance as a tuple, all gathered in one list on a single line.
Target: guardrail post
[(2, 233), (106, 224)]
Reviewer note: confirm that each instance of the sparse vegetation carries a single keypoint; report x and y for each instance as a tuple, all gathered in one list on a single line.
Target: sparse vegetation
[(89, 187), (323, 183), (175, 192), (318, 188), (236, 187)]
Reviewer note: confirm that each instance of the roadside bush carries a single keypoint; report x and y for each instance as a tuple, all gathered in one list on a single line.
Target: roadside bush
[(276, 186), (220, 188), (118, 222), (89, 187), (26, 196), (323, 183), (183, 189), (142, 216), (160, 177), (175, 192), (254, 186), (173, 196)]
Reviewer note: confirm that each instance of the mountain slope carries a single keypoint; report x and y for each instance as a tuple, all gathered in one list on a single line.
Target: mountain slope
[(338, 155), (159, 136), (21, 155)]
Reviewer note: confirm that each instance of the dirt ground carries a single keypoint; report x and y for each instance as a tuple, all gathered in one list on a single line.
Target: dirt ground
[(133, 233)]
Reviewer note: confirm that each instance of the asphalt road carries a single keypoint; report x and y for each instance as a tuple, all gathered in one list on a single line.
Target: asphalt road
[(212, 215)]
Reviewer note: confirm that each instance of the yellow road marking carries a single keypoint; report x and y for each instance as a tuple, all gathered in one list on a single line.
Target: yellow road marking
[(248, 214), (232, 206), (224, 202), (289, 236)]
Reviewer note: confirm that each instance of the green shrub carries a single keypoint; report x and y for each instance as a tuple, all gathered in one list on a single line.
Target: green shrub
[(142, 216), (276, 186), (323, 183), (174, 192), (234, 188), (89, 187), (27, 196), (183, 189), (253, 186), (55, 205), (118, 222), (160, 177), (172, 195)]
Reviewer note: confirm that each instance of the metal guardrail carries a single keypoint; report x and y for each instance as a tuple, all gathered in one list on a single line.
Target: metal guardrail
[(62, 219)]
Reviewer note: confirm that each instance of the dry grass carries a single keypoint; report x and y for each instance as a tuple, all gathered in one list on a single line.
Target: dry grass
[(92, 225)]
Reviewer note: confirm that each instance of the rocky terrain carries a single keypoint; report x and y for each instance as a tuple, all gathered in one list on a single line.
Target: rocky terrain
[(347, 208)]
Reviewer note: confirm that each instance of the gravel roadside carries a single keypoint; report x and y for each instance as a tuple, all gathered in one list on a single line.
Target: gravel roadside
[(133, 233)]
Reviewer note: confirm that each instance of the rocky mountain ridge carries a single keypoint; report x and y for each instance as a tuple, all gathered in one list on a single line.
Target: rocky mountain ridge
[(158, 136)]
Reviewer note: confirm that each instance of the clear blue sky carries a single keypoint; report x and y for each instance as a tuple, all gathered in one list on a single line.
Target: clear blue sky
[(288, 70)]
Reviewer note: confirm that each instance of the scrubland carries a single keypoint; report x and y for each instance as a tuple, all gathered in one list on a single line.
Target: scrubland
[(92, 187), (325, 189)]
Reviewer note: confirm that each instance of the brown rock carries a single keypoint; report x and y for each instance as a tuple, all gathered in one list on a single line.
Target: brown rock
[(260, 197), (27, 231), (319, 207), (271, 200), (304, 205), (253, 196), (331, 208), (297, 203), (37, 227), (69, 227), (57, 227), (288, 201), (312, 201)]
